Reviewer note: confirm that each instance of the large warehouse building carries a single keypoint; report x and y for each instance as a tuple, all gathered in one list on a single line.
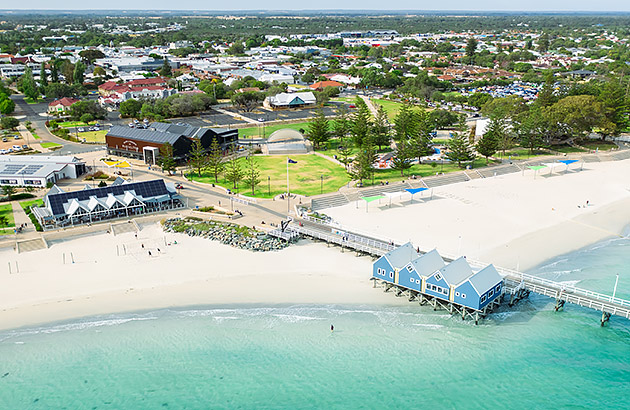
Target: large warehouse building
[(145, 143), (35, 171)]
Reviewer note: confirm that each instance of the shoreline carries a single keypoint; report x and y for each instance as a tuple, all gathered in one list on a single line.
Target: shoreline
[(538, 219)]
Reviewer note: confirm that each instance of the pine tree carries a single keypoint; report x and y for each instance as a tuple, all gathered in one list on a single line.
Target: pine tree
[(54, 72), (252, 173), (166, 71), (363, 163), (360, 122), (497, 130), (343, 153), (341, 125), (43, 76), (543, 42), (546, 95), (216, 160), (29, 87), (318, 131), (487, 146), (233, 171), (78, 75), (471, 47), (167, 161), (459, 150), (402, 161), (198, 160), (405, 124), (380, 129)]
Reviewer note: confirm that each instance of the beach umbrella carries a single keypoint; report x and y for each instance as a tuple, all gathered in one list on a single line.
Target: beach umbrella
[(568, 162), (390, 195), (369, 199), (413, 191), (536, 168)]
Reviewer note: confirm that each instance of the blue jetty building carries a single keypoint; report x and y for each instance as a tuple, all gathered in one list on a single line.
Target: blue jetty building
[(428, 279)]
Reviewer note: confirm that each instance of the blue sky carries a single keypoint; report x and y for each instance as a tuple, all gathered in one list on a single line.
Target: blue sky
[(500, 5)]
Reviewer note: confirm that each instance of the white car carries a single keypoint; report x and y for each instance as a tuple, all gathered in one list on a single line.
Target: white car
[(17, 148)]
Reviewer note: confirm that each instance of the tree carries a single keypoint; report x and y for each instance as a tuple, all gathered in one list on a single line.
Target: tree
[(402, 161), (215, 159), (99, 71), (341, 125), (43, 76), (615, 104), (54, 72), (529, 127), (90, 107), (166, 70), (471, 47), (7, 106), (90, 55), (543, 43), (546, 95), (8, 191), (130, 108), (78, 75), (577, 115), (4, 221), (236, 48), (380, 130), (363, 163), (360, 122), (318, 129), (198, 159), (459, 150), (498, 131), (9, 122), (343, 153), (252, 173), (247, 100), (166, 160), (87, 118), (233, 171), (29, 87), (67, 69), (59, 90), (487, 146), (405, 124)]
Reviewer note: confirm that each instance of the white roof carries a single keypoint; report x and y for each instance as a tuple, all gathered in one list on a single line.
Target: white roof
[(485, 279), (286, 98)]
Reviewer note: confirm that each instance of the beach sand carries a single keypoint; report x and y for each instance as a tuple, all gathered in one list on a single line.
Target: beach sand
[(511, 221)]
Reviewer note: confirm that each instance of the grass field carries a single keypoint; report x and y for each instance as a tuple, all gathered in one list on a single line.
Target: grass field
[(50, 145), (596, 144), (305, 177), (70, 124), (31, 202), (256, 131), (30, 100), (35, 135), (332, 145), (6, 210), (93, 136), (391, 107)]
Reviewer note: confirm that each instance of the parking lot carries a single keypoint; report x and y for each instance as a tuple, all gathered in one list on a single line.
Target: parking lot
[(8, 144)]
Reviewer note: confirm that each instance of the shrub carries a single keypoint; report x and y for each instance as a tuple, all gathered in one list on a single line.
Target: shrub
[(102, 184), (35, 222)]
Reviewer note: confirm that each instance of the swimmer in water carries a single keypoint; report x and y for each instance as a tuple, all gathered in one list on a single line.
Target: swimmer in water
[(332, 328)]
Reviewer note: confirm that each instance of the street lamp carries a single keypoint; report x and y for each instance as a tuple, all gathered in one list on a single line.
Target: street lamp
[(268, 185)]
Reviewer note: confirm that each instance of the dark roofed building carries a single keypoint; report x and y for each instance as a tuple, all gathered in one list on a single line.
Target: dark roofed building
[(145, 143)]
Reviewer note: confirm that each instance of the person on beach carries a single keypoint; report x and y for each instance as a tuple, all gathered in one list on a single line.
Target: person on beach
[(332, 328)]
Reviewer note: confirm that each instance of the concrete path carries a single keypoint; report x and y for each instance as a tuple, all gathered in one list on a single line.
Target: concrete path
[(369, 104), (20, 218), (234, 115)]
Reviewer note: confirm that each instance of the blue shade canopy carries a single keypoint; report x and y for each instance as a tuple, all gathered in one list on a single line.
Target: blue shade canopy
[(568, 161), (415, 190)]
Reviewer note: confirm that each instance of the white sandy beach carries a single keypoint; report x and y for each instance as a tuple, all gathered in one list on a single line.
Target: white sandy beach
[(509, 220)]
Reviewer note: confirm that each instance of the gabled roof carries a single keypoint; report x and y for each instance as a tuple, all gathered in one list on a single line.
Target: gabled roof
[(324, 84), (428, 263), (287, 98), (65, 101), (457, 271), (485, 279), (401, 256)]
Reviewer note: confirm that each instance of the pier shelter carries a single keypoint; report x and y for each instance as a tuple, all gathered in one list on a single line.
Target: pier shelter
[(389, 266)]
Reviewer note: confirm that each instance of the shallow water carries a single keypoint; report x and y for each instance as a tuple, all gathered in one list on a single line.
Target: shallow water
[(377, 357)]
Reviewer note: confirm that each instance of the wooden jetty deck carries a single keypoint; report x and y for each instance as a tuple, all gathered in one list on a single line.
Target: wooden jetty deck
[(517, 285)]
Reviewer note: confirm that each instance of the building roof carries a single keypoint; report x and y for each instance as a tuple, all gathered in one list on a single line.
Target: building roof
[(428, 263), (293, 98), (323, 84), (457, 271), (62, 203), (65, 101), (401, 256), (150, 135), (485, 279)]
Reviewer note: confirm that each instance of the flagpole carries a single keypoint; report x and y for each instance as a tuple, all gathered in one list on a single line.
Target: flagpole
[(288, 188)]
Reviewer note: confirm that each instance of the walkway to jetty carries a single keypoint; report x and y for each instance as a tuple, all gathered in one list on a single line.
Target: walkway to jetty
[(517, 285)]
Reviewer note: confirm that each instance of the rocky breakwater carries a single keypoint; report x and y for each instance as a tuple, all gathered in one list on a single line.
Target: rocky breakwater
[(229, 234)]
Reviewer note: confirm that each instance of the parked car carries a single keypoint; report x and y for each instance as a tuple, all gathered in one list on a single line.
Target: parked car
[(3, 151), (4, 139), (17, 148), (81, 129), (25, 146), (132, 125), (16, 137)]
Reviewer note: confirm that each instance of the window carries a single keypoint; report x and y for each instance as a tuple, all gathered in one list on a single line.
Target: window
[(498, 288), (438, 276), (391, 275), (456, 293), (491, 293), (463, 296), (411, 279), (417, 281), (483, 299)]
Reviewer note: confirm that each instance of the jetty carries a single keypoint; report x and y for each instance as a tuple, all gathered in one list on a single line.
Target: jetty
[(516, 285)]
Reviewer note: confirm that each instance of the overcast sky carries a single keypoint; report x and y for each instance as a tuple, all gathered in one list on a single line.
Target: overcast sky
[(478, 5)]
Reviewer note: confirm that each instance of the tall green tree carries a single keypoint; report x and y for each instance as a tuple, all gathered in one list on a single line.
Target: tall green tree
[(54, 72), (43, 76), (166, 159), (546, 96), (497, 130), (29, 87), (78, 76), (341, 125), (252, 172), (487, 146), (361, 120), (8, 191), (198, 159), (130, 108), (166, 70), (233, 171), (543, 42), (406, 124), (529, 127), (318, 129), (402, 161), (471, 48), (380, 130), (616, 109), (362, 167), (7, 106), (216, 159), (459, 149), (343, 153)]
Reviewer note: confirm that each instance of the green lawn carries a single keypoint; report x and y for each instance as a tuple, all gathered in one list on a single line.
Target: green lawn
[(392, 107), (6, 210), (566, 149), (333, 144), (70, 124), (419, 170), (520, 153), (51, 145), (596, 144), (35, 135), (257, 131), (30, 100), (93, 136), (305, 176), (31, 202)]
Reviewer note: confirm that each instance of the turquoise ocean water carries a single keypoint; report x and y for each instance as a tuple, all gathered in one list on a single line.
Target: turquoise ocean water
[(378, 357)]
